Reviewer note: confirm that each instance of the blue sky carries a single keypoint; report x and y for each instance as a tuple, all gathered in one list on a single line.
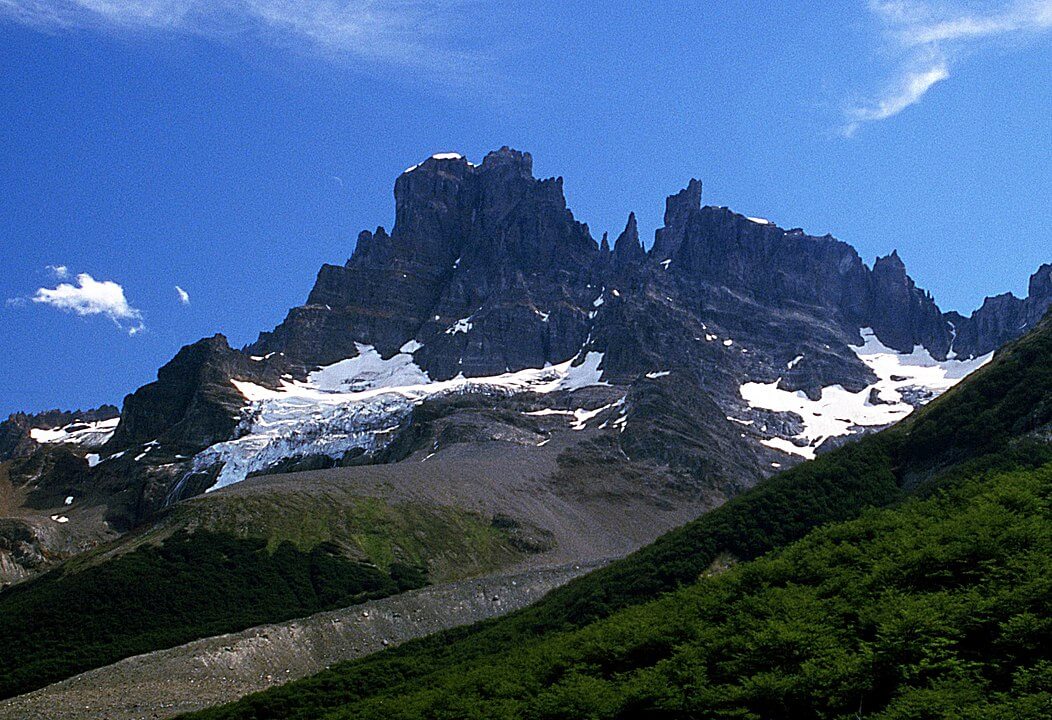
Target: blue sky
[(230, 147)]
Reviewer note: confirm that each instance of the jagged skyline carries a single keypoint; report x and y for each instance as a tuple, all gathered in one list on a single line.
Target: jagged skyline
[(136, 173)]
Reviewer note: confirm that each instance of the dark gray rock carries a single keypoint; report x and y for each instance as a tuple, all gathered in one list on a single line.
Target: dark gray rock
[(15, 440), (191, 405), (1001, 317), (901, 314)]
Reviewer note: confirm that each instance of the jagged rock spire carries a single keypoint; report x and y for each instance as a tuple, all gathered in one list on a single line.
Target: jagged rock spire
[(678, 206), (628, 249), (678, 209)]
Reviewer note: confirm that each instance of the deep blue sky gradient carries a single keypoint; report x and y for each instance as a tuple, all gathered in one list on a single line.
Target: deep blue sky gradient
[(235, 169)]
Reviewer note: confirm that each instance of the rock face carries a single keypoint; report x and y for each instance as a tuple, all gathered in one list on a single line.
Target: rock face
[(191, 405), (485, 267), (1002, 317), (902, 314), (15, 438), (487, 272)]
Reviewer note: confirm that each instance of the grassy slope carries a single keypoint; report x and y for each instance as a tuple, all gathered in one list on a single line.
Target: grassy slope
[(971, 431), (450, 542), (244, 563)]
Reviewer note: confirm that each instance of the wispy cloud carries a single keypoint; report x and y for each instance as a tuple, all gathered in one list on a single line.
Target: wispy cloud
[(415, 34), (93, 297), (928, 37), (184, 297), (59, 271)]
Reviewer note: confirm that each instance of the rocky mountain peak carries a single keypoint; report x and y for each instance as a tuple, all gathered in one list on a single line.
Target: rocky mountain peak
[(679, 206), (890, 264), (477, 252), (628, 249), (191, 404), (1001, 317), (508, 160), (678, 209), (1040, 286), (902, 314)]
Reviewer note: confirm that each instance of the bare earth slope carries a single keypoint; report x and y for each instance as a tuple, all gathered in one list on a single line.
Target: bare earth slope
[(220, 669)]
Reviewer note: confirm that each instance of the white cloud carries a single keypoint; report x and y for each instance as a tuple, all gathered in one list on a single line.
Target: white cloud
[(184, 297), (928, 37), (408, 33), (59, 271), (93, 297), (906, 91)]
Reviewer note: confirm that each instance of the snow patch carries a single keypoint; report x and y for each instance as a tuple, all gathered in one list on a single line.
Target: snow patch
[(410, 347), (61, 519), (759, 220), (462, 325), (838, 411), (660, 373), (580, 416), (367, 370), (84, 434), (69, 500), (794, 362)]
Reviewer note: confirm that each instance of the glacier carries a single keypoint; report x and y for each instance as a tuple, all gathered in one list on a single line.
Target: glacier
[(359, 403)]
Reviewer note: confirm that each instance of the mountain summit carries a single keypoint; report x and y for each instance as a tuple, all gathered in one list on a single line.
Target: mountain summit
[(489, 317)]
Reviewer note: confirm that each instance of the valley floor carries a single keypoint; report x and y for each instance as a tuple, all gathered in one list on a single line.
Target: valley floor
[(220, 669)]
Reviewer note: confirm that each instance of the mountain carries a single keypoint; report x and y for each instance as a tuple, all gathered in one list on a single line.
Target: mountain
[(483, 389), (796, 599), (490, 318)]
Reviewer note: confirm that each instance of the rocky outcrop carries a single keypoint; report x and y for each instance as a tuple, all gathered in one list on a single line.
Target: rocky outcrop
[(1001, 317), (485, 268), (629, 253), (15, 439), (902, 314), (191, 405)]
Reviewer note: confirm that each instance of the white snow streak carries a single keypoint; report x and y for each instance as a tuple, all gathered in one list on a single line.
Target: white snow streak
[(85, 434)]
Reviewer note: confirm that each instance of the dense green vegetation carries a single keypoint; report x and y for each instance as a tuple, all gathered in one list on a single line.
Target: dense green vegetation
[(986, 437), (191, 586), (937, 607)]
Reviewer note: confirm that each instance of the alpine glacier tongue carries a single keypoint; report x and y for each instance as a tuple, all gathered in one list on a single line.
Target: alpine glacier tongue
[(359, 403)]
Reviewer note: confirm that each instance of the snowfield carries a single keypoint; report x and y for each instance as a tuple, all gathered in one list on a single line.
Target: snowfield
[(901, 377), (85, 434), (359, 403)]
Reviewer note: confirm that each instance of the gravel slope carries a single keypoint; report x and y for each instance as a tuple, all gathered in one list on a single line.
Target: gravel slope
[(223, 668)]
